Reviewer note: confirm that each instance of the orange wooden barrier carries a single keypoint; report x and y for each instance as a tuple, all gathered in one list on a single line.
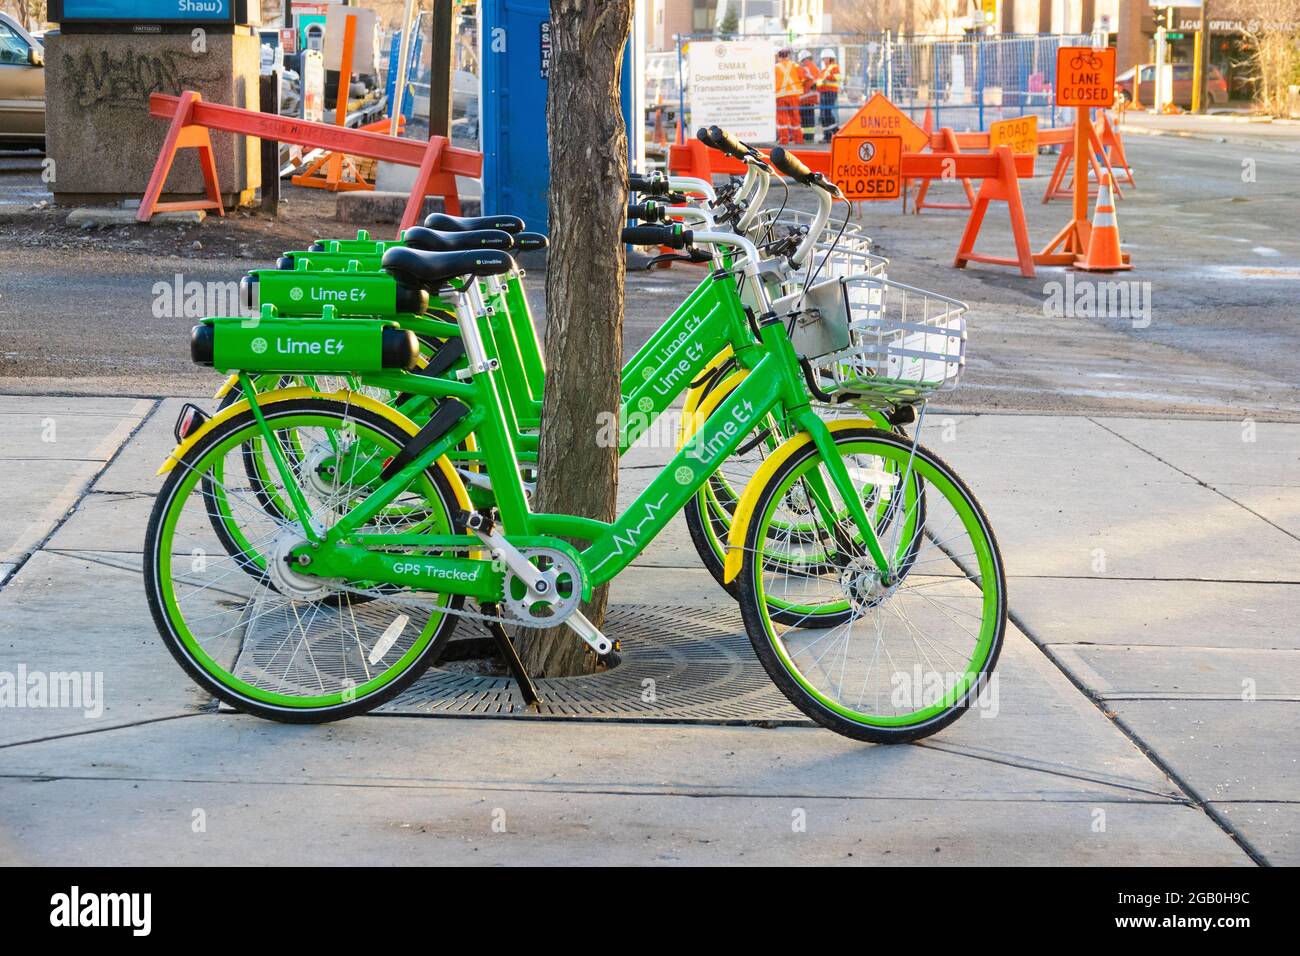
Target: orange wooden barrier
[(1104, 145), (438, 162), (1000, 173), (945, 141), (1113, 147)]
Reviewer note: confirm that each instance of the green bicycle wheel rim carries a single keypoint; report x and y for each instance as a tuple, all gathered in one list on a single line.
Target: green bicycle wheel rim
[(988, 621), (201, 658)]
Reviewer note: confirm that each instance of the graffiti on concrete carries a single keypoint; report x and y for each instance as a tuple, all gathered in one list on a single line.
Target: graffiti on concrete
[(126, 78)]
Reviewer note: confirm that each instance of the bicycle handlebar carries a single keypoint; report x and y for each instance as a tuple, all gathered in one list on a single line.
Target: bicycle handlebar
[(654, 184), (791, 165), (672, 236), (647, 211)]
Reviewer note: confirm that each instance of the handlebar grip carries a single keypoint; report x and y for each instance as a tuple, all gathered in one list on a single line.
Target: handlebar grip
[(651, 185), (790, 164), (647, 211), (705, 137), (728, 143), (672, 236)]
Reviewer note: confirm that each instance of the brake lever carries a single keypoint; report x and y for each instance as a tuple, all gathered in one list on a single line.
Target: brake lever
[(693, 257)]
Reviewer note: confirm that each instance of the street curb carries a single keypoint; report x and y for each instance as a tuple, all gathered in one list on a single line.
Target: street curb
[(1210, 138)]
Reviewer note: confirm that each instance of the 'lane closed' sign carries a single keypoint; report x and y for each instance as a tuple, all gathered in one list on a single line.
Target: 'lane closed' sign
[(867, 167), (1085, 76)]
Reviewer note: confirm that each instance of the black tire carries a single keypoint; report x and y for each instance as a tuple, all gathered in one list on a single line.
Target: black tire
[(752, 613), (177, 647)]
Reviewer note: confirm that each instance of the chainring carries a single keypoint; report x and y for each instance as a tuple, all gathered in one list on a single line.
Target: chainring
[(564, 589)]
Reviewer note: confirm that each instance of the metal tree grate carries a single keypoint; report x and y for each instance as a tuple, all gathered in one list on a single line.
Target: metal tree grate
[(680, 665)]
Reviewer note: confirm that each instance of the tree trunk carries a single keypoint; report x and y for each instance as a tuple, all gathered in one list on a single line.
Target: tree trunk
[(584, 291)]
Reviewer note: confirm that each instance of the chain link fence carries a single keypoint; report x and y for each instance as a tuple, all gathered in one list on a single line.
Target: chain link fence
[(968, 82)]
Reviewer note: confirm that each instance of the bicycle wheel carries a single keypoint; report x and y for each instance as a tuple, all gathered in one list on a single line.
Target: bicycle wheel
[(243, 624), (709, 514), (890, 658)]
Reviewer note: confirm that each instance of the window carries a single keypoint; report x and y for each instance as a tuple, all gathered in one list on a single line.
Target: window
[(14, 50)]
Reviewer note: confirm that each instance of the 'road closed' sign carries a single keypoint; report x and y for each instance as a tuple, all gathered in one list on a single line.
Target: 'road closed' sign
[(868, 167), (1085, 76), (1020, 133)]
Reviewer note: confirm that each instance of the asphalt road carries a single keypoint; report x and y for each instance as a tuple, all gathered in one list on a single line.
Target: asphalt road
[(1210, 329)]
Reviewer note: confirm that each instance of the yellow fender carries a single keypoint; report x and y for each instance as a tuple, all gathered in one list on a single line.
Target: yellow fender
[(749, 497), (694, 395), (695, 414), (302, 391), (231, 381)]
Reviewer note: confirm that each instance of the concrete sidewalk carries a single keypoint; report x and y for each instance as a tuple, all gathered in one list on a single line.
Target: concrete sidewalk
[(1147, 688), (1238, 128)]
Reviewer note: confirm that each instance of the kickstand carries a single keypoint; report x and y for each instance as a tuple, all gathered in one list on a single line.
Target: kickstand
[(506, 649)]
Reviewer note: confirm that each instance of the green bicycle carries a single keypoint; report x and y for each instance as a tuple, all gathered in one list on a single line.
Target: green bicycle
[(364, 579)]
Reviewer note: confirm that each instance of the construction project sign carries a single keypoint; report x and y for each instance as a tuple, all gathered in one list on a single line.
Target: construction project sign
[(732, 83), (1085, 76), (867, 167), (1021, 134), (879, 117)]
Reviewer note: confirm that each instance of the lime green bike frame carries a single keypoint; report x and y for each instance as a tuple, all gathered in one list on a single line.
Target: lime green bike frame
[(774, 381)]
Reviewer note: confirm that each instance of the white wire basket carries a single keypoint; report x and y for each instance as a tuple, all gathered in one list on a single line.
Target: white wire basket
[(878, 340), (844, 259), (772, 226)]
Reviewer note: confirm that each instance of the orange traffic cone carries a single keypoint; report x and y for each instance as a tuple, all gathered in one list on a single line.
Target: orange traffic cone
[(1103, 254)]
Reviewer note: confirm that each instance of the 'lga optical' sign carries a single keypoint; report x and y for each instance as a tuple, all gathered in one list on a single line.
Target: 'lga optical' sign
[(142, 11)]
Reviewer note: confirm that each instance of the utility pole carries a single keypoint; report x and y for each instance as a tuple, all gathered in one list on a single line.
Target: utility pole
[(1201, 70), (443, 61)]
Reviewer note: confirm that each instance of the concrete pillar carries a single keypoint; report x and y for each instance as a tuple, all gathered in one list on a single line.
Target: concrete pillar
[(1131, 45), (100, 134)]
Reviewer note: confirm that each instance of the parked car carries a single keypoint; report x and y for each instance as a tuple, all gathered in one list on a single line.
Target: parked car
[(1215, 87), (22, 86)]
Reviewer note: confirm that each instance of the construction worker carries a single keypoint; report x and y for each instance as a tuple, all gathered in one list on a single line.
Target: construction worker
[(828, 89), (808, 99), (788, 91)]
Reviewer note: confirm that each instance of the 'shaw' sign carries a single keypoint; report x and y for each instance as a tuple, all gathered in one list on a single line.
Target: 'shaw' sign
[(868, 167), (1085, 76)]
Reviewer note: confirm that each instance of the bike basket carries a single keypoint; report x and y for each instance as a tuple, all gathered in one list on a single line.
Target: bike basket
[(902, 343), (797, 221), (268, 344), (846, 260)]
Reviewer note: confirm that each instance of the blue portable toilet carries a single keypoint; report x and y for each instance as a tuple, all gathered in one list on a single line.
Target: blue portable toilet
[(514, 39)]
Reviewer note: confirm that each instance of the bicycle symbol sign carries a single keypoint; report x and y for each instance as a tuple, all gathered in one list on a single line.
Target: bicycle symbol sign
[(1085, 76)]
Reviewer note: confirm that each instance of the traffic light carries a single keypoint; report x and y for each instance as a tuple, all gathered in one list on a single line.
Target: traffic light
[(990, 8)]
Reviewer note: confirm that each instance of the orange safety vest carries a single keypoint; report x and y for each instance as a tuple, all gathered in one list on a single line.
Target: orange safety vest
[(808, 76), (787, 78), (830, 78)]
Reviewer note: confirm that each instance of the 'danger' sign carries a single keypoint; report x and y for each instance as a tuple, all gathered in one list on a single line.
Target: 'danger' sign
[(1084, 76), (733, 86)]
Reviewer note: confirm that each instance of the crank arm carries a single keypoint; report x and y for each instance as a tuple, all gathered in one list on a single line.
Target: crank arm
[(597, 641)]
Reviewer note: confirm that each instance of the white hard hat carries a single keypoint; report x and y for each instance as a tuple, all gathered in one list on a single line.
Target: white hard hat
[(805, 54), (828, 54)]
